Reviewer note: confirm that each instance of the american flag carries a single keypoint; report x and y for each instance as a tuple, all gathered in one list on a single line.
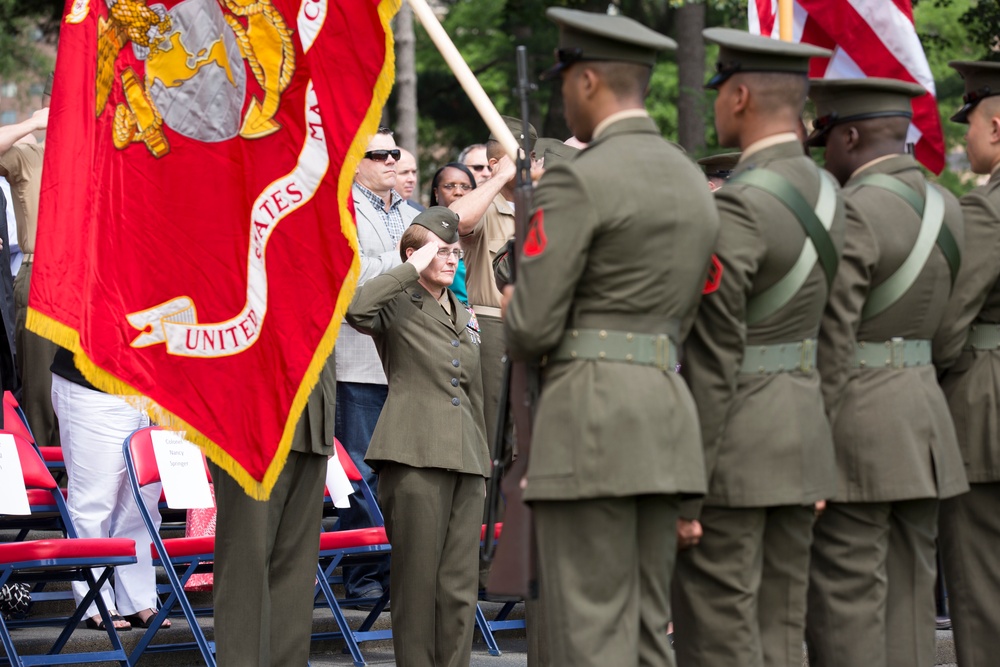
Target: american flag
[(869, 38)]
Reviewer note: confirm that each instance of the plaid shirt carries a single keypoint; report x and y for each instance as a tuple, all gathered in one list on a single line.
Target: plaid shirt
[(393, 218)]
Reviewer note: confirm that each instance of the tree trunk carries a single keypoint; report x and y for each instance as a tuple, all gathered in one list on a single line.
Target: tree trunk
[(406, 83), (691, 108)]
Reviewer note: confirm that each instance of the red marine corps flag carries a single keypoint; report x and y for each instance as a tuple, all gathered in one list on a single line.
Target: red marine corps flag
[(196, 240)]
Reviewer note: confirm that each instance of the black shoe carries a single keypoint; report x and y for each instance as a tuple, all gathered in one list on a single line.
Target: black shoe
[(366, 600)]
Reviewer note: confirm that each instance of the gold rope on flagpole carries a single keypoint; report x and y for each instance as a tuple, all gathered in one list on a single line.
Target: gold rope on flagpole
[(785, 20)]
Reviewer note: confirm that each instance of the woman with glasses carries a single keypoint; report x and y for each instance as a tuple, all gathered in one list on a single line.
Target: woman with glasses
[(429, 446), (450, 182)]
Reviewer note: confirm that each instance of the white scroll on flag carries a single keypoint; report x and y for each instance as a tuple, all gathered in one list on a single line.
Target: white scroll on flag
[(869, 38)]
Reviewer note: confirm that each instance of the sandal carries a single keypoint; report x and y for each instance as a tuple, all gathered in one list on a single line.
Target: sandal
[(137, 622), (115, 618)]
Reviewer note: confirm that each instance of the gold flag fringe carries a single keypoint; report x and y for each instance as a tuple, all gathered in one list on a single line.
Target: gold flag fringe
[(67, 337)]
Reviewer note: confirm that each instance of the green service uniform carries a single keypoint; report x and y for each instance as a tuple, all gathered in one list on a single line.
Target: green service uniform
[(871, 596), (768, 446), (266, 551), (968, 354), (620, 241), (430, 451)]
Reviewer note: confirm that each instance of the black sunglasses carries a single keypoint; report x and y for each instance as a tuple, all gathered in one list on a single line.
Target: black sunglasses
[(382, 155)]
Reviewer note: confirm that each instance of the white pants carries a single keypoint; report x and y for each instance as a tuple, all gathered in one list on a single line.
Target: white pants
[(92, 427)]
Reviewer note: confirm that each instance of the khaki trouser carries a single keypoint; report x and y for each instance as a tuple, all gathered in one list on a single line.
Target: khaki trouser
[(604, 572), (970, 539), (740, 595), (871, 585)]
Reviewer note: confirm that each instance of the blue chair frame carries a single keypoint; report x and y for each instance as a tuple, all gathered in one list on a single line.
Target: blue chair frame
[(62, 559), (185, 555)]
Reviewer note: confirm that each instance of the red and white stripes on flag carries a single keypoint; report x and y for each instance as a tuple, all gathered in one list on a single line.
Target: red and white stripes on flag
[(869, 38)]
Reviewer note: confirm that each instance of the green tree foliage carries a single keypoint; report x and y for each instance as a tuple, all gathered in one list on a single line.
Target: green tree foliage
[(22, 24)]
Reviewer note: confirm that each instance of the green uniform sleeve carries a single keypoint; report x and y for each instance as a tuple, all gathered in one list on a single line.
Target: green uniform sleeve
[(713, 353), (977, 277), (842, 317), (553, 258), (371, 311)]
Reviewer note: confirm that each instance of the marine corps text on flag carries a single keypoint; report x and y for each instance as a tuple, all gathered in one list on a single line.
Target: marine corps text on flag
[(196, 240)]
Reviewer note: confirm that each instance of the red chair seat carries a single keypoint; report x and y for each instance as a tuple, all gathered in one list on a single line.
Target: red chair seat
[(347, 539), (40, 497), (52, 454), (497, 529), (95, 547), (178, 547)]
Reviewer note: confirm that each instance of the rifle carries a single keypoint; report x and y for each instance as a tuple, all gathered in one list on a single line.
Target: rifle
[(512, 575)]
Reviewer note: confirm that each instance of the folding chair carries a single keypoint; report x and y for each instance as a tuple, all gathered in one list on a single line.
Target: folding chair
[(499, 622), (184, 555), (15, 421), (61, 559), (352, 547)]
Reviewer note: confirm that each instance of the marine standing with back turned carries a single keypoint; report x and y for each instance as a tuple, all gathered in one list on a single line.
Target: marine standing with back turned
[(607, 288), (871, 586), (969, 350), (740, 594)]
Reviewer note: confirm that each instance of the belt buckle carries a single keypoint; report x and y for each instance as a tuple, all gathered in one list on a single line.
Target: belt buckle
[(806, 349), (897, 352), (661, 345)]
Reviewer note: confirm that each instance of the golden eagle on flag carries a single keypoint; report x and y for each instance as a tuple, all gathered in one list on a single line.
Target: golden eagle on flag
[(196, 245)]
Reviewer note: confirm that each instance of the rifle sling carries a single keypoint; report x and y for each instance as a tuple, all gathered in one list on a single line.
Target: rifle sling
[(815, 222), (932, 232)]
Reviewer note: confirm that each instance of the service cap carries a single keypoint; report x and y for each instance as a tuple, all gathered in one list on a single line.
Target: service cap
[(441, 220), (593, 36), (559, 153), (516, 127), (982, 80), (844, 100), (720, 165), (740, 51)]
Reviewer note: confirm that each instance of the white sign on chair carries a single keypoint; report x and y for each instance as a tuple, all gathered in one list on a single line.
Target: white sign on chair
[(182, 471), (13, 495)]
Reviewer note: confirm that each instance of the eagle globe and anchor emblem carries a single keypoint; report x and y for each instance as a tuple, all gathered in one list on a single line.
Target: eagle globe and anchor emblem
[(194, 81)]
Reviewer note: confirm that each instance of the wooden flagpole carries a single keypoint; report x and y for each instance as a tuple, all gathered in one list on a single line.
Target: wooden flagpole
[(785, 19), (465, 76)]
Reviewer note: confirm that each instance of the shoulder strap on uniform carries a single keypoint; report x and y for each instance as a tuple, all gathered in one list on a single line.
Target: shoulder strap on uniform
[(932, 231), (815, 221)]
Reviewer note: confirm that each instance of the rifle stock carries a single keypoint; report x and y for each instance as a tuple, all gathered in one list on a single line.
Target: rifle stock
[(512, 574)]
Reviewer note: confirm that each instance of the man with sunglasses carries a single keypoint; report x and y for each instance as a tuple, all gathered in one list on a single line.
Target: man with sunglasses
[(382, 216), (871, 579), (474, 157), (608, 283), (969, 350)]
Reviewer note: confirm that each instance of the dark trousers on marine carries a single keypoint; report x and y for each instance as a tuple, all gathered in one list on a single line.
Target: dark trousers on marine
[(740, 595), (433, 520), (970, 542), (871, 585), (359, 405), (265, 566), (604, 570), (34, 356)]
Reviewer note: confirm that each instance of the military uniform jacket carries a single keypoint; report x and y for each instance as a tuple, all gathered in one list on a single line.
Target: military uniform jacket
[(893, 434), (767, 440), (621, 239), (972, 379), (433, 416)]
